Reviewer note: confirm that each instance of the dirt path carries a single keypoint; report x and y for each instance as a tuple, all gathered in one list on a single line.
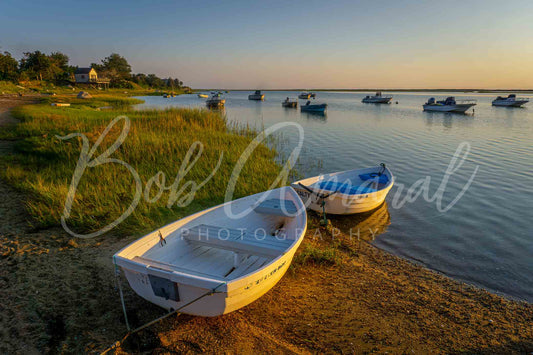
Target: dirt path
[(7, 102), (59, 295)]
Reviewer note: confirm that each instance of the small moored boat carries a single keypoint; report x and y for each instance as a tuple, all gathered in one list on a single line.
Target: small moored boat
[(289, 103), (377, 99), (510, 101), (216, 100), (203, 96), (256, 96), (237, 251), (449, 105), (346, 192), (304, 96), (308, 107)]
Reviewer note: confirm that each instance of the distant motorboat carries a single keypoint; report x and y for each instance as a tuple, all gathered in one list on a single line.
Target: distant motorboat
[(510, 101), (203, 96), (256, 96), (305, 96), (289, 103), (216, 100), (308, 107), (377, 99), (449, 105)]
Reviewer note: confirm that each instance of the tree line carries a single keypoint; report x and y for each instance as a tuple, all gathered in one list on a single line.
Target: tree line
[(55, 68)]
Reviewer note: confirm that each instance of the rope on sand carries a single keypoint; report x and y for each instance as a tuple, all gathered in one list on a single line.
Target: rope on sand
[(130, 332)]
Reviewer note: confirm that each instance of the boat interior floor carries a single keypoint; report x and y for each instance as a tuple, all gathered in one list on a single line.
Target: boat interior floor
[(225, 253)]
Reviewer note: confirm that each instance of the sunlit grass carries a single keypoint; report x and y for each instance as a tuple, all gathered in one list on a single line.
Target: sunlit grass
[(158, 141), (312, 254)]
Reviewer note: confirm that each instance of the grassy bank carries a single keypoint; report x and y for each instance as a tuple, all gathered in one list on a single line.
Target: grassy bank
[(158, 141), (47, 88)]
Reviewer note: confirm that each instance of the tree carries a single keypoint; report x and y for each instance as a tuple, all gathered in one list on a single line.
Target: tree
[(117, 68), (59, 68), (100, 69), (36, 64), (153, 81), (8, 67), (139, 79)]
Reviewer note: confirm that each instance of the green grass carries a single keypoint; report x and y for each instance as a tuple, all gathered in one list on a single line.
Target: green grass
[(44, 87), (43, 165), (314, 255)]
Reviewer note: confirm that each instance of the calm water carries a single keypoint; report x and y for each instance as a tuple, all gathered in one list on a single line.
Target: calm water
[(486, 238)]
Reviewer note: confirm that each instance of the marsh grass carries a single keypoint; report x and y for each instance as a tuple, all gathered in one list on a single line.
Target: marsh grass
[(312, 254), (45, 87), (42, 165)]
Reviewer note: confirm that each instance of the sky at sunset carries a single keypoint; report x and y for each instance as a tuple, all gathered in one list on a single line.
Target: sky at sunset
[(289, 44)]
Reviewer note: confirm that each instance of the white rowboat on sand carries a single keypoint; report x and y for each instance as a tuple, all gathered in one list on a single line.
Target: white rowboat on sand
[(346, 192), (238, 259)]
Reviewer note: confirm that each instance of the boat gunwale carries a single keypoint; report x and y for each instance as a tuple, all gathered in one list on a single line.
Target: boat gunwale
[(200, 281), (387, 186)]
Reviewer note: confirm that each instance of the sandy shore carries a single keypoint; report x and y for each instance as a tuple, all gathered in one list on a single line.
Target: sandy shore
[(58, 295)]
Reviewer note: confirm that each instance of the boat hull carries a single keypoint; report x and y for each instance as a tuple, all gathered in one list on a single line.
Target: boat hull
[(458, 108), (380, 100), (504, 103), (247, 291), (230, 293), (314, 108), (340, 203), (256, 97), (203, 96), (291, 104)]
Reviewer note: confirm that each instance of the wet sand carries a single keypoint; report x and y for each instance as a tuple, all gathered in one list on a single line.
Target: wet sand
[(59, 295)]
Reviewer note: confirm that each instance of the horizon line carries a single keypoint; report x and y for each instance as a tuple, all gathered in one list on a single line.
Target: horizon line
[(371, 89)]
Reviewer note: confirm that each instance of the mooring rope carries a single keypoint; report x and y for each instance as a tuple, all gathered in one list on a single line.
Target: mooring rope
[(130, 332)]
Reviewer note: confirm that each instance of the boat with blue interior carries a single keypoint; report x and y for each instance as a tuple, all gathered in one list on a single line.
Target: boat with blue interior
[(346, 192)]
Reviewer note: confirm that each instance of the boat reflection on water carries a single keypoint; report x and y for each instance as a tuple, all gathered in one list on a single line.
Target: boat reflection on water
[(317, 116), (448, 119), (363, 226)]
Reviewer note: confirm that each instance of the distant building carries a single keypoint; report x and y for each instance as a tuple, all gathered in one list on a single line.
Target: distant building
[(89, 76)]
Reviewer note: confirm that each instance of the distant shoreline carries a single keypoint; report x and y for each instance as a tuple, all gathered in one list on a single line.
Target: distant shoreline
[(480, 91)]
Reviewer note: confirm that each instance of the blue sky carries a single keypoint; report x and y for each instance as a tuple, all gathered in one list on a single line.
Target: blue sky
[(289, 44)]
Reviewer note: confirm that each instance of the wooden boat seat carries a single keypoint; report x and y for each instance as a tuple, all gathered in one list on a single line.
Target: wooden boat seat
[(170, 267), (277, 207), (236, 240)]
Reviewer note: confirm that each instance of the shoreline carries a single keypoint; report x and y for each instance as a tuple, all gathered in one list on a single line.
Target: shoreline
[(60, 294), (466, 91)]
